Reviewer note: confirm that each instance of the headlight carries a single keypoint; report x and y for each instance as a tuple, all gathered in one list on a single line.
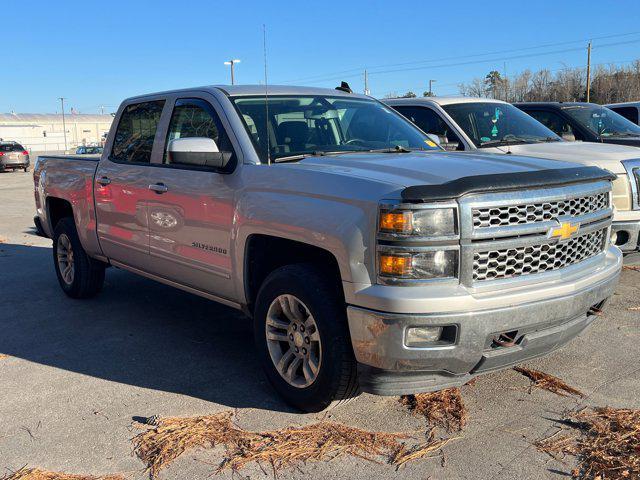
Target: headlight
[(621, 190), (417, 265), (423, 222)]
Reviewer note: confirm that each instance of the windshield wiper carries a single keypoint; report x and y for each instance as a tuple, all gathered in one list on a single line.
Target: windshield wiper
[(547, 140), (396, 149), (497, 142), (301, 156), (621, 134)]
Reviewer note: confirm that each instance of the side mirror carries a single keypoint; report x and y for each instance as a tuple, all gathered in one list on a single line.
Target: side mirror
[(568, 136), (434, 138), (198, 152)]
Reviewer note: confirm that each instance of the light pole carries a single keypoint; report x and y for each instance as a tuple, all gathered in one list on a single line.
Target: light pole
[(64, 125), (431, 82), (232, 63)]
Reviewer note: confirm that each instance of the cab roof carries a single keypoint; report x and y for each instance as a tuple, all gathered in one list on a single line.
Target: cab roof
[(253, 90), (440, 100)]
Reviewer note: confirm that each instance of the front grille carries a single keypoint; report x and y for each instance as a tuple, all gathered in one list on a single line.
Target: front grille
[(525, 260), (538, 212)]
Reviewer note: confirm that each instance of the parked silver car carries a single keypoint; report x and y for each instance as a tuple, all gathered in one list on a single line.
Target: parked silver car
[(13, 156)]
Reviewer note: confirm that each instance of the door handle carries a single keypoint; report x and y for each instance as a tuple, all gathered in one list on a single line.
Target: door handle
[(158, 187), (104, 181)]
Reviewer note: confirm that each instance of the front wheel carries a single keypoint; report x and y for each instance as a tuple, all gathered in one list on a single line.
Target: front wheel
[(79, 275), (302, 338)]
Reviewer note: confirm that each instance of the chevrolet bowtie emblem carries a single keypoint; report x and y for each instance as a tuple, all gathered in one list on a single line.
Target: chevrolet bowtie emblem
[(564, 231)]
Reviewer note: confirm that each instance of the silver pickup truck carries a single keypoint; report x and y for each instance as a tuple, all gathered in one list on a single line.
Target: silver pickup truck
[(367, 257)]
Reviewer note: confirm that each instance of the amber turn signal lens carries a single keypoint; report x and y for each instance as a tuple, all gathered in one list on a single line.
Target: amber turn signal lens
[(393, 265), (401, 222)]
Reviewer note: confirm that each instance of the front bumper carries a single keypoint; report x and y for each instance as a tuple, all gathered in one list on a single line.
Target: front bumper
[(387, 367)]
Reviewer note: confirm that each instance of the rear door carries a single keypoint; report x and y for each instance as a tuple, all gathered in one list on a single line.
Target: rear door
[(122, 184), (191, 213)]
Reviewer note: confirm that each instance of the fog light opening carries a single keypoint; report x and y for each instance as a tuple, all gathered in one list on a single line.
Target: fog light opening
[(430, 336), (620, 238)]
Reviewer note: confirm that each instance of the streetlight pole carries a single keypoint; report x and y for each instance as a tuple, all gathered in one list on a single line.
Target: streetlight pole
[(64, 125), (232, 63)]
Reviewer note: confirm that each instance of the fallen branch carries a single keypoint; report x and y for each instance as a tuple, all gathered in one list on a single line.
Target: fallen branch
[(36, 474), (608, 447), (548, 382), (284, 448), (444, 408)]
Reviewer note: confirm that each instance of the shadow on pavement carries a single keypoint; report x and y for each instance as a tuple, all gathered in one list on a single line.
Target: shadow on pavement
[(136, 332)]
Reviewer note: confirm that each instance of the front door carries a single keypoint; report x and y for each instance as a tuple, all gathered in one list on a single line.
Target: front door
[(122, 185), (190, 214)]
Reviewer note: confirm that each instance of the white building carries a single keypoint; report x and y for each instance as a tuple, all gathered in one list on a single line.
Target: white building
[(43, 132)]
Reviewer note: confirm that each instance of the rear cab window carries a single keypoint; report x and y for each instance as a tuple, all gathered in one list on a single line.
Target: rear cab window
[(133, 141)]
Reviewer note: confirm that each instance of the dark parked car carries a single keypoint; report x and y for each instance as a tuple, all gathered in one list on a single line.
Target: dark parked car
[(584, 121), (13, 156)]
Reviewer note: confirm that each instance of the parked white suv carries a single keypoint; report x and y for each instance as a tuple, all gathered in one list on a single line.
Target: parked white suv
[(494, 126)]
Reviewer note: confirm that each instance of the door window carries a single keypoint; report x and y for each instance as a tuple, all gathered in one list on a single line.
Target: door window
[(196, 118), (430, 122), (555, 122), (133, 142), (630, 113)]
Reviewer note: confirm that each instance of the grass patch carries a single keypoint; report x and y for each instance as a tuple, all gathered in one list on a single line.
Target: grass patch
[(36, 474), (607, 447), (161, 444), (548, 382), (443, 408)]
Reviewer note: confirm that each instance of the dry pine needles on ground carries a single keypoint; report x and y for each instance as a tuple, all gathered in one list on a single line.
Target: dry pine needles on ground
[(36, 474), (609, 447), (548, 382), (444, 408), (287, 447)]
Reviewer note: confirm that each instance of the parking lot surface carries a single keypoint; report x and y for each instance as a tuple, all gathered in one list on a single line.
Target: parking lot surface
[(77, 372)]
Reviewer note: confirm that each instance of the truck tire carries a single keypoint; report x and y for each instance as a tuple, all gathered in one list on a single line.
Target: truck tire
[(79, 275), (302, 338)]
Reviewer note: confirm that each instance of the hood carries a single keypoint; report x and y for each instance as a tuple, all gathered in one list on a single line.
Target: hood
[(425, 168), (603, 155)]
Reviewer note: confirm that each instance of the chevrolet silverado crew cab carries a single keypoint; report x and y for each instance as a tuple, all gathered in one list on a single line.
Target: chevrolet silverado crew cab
[(480, 124), (367, 257)]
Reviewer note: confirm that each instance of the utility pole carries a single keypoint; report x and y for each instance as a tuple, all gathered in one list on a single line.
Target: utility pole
[(101, 109), (232, 63), (588, 72), (64, 125), (366, 83), (431, 82)]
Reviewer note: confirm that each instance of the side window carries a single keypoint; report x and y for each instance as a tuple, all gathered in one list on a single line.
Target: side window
[(136, 131), (555, 123), (430, 122), (193, 117), (630, 113)]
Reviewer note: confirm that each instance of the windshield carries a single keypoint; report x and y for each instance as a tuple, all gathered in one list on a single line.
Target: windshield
[(490, 124), (602, 121), (300, 125)]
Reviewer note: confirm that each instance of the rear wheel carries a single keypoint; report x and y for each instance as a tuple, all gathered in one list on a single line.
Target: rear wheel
[(79, 275), (302, 338)]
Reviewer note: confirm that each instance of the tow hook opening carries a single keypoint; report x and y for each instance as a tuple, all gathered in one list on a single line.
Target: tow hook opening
[(506, 339)]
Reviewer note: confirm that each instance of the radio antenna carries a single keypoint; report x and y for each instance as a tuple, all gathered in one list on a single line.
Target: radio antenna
[(266, 93)]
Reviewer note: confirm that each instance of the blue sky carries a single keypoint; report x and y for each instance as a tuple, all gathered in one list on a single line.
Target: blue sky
[(99, 52)]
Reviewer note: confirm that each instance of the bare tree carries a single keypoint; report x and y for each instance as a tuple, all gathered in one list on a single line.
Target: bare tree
[(608, 85)]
